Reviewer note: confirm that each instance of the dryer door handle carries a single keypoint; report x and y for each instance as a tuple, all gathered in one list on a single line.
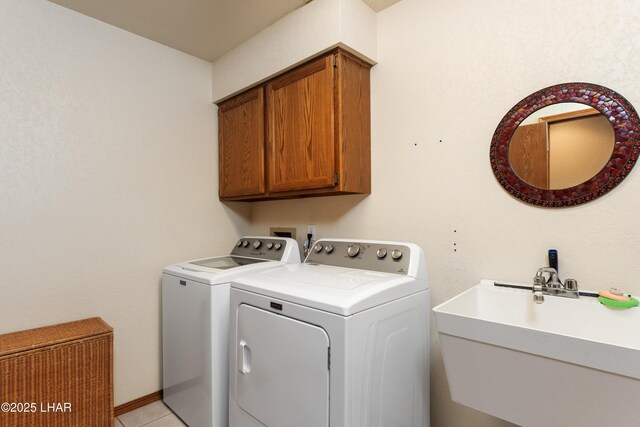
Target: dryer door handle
[(245, 358)]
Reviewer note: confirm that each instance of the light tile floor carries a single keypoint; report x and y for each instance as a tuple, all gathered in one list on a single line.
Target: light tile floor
[(155, 414)]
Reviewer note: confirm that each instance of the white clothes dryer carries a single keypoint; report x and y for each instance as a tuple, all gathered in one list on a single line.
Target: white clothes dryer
[(195, 326), (341, 340)]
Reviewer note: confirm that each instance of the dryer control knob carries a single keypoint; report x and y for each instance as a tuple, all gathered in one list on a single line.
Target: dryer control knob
[(257, 244), (328, 249), (245, 243), (239, 243), (353, 250), (278, 246), (318, 248), (270, 245), (381, 253), (396, 254)]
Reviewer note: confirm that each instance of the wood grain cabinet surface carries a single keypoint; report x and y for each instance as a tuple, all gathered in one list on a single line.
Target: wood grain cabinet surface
[(241, 145), (303, 133)]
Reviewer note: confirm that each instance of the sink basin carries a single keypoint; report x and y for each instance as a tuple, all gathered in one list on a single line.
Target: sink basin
[(570, 362)]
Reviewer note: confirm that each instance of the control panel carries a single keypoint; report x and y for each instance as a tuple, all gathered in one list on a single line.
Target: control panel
[(270, 248), (375, 256)]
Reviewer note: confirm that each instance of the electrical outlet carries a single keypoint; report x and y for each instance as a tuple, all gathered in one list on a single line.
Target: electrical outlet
[(311, 229)]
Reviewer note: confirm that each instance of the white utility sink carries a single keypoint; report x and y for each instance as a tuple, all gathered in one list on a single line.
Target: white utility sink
[(566, 362)]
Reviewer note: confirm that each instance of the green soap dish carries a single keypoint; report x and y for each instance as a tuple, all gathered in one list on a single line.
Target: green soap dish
[(619, 304)]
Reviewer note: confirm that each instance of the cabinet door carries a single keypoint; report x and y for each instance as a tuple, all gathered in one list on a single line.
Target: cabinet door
[(301, 129), (241, 144)]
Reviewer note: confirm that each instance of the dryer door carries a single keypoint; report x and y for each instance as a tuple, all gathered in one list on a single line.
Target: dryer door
[(282, 369)]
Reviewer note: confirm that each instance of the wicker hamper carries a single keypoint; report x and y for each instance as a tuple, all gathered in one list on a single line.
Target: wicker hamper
[(60, 375)]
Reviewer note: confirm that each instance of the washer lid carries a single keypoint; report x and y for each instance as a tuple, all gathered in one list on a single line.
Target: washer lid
[(339, 290), (249, 254), (226, 262), (218, 270)]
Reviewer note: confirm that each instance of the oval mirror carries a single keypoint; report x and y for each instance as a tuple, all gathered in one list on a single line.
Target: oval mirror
[(565, 145)]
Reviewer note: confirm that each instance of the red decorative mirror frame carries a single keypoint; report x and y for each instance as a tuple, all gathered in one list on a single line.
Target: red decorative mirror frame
[(612, 105)]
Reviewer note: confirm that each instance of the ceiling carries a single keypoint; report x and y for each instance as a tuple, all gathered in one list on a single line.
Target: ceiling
[(203, 28)]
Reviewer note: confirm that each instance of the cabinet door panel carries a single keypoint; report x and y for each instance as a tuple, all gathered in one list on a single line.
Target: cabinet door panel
[(241, 144), (301, 128)]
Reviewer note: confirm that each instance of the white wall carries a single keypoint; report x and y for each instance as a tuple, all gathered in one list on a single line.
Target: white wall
[(450, 70), (316, 27), (108, 172)]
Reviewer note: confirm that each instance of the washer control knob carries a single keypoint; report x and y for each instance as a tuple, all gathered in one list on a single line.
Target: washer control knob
[(328, 249), (257, 244), (270, 245), (396, 254), (245, 243), (318, 247), (353, 250), (278, 246), (239, 243), (381, 253)]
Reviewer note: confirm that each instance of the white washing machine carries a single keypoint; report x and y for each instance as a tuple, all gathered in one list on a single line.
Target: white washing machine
[(195, 326), (341, 340)]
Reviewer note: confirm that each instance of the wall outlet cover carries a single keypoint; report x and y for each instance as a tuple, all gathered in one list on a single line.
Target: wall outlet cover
[(283, 232)]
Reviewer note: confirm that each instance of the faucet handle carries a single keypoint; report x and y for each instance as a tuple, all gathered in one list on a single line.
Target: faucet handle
[(571, 284), (539, 280)]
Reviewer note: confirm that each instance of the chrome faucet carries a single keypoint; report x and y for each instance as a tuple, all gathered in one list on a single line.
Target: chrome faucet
[(552, 285)]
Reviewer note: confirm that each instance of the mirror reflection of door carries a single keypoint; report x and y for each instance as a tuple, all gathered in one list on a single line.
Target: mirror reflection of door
[(529, 154), (561, 150)]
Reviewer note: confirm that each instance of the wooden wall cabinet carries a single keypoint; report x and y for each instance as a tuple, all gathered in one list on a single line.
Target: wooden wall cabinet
[(303, 133)]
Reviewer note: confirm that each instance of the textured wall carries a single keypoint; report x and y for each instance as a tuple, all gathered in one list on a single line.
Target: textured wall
[(316, 27), (107, 173), (450, 70)]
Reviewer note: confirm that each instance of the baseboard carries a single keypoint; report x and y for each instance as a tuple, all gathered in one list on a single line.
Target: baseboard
[(137, 403)]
